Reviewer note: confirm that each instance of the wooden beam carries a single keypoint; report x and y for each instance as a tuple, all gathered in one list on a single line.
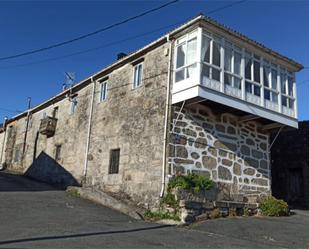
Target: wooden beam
[(247, 118), (271, 126)]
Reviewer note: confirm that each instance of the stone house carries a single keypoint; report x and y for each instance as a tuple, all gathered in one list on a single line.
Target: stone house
[(290, 166), (203, 98)]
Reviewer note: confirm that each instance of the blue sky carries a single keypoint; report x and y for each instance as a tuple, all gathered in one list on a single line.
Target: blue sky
[(25, 25)]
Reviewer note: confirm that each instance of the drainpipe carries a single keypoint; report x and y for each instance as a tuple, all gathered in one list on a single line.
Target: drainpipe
[(89, 129), (26, 131), (3, 142), (166, 116)]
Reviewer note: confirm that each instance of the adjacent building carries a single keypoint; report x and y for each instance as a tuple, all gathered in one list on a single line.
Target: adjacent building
[(290, 166), (203, 98)]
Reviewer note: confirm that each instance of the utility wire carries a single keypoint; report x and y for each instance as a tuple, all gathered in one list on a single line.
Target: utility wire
[(115, 42), (89, 34)]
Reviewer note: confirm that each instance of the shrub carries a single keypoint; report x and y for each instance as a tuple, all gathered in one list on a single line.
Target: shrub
[(270, 206), (192, 181)]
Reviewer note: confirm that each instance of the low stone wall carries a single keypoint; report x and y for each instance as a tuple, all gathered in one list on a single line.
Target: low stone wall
[(232, 153)]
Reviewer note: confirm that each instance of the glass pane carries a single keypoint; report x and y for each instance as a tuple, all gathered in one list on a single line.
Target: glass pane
[(266, 72), (291, 103), (248, 87), (180, 75), (237, 83), (228, 59), (283, 81), (237, 63), (227, 79), (274, 97), (205, 71), (139, 75), (180, 56), (216, 54), (206, 49), (191, 71), (248, 68), (284, 101), (290, 86), (267, 94), (257, 90), (191, 51), (215, 74), (274, 79), (256, 70)]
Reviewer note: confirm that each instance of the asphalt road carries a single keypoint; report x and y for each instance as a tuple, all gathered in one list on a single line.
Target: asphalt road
[(35, 215)]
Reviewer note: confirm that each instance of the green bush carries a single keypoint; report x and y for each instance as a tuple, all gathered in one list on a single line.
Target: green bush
[(270, 206), (192, 181)]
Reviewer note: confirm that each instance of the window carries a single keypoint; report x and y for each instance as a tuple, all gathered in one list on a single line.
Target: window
[(103, 91), (73, 105), (186, 57), (55, 112), (58, 152), (211, 57), (232, 63), (137, 80), (114, 161)]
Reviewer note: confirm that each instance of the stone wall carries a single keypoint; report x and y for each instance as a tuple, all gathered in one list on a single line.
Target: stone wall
[(133, 121), (232, 153), (39, 158), (290, 166)]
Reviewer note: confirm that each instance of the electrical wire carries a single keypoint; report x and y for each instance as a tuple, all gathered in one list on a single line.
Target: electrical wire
[(115, 42), (35, 51)]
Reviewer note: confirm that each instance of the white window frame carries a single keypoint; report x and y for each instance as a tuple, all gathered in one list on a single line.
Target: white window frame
[(184, 41), (135, 85)]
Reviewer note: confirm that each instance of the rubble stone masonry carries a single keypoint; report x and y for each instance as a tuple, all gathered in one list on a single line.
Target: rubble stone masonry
[(232, 153)]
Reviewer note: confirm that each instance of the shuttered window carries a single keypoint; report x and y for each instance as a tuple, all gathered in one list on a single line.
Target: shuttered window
[(114, 161)]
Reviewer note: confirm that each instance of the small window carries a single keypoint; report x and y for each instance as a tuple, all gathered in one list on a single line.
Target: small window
[(103, 91), (137, 80), (73, 105), (55, 112), (58, 152), (17, 155), (114, 161)]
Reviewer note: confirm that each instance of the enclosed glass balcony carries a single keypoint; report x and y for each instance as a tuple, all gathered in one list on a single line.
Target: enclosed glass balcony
[(215, 64)]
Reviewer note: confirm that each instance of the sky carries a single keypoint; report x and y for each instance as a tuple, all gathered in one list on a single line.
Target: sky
[(27, 25)]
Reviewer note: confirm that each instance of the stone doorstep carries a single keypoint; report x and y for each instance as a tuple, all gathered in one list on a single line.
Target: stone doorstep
[(106, 200)]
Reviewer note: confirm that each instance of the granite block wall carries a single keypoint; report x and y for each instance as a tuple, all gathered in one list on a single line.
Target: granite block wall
[(232, 153)]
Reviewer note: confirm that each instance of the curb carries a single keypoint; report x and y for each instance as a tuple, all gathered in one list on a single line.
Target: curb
[(105, 200)]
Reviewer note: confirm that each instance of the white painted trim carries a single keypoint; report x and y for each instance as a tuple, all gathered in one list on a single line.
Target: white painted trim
[(199, 91)]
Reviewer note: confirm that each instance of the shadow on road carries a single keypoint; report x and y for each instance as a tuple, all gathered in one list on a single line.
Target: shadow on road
[(82, 235), (18, 183)]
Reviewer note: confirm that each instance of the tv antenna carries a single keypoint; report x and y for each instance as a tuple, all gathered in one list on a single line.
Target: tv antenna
[(69, 83)]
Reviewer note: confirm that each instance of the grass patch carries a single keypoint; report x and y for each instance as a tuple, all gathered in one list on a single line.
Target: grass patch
[(73, 192), (160, 215)]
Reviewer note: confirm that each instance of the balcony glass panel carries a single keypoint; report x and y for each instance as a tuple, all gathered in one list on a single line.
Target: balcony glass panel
[(224, 67)]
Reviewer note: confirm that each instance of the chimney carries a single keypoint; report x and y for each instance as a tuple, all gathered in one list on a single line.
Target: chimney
[(121, 55)]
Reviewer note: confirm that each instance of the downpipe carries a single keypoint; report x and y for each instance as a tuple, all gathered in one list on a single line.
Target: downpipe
[(166, 117), (89, 130)]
